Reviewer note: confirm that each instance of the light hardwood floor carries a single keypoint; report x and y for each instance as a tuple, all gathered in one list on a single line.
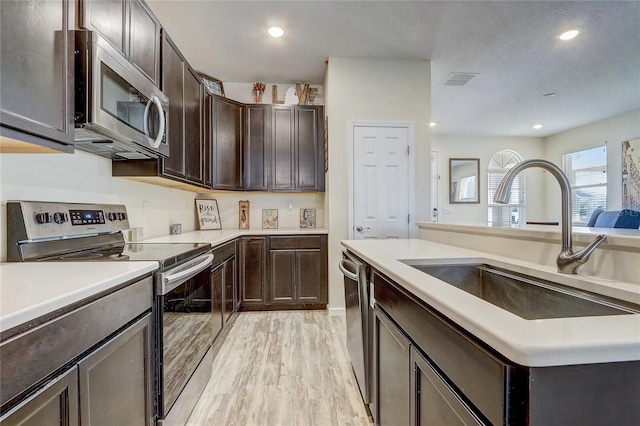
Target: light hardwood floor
[(282, 368)]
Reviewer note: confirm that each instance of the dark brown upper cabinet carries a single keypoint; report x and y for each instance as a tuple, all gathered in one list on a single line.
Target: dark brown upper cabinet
[(257, 147), (36, 77), (227, 123), (130, 26), (284, 148)]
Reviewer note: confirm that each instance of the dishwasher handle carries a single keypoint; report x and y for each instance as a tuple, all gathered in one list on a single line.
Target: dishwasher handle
[(348, 274), (174, 277)]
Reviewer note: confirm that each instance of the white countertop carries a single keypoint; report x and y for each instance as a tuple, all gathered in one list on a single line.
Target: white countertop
[(217, 237), (534, 343), (29, 290)]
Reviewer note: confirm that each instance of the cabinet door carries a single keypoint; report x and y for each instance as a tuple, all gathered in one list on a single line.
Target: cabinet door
[(206, 138), (229, 267), (433, 402), (283, 276), (56, 404), (392, 372), (217, 281), (36, 75), (309, 164), (282, 149), (311, 276), (192, 132), (108, 17), (257, 147), (116, 379), (253, 261), (226, 143), (173, 73), (144, 40)]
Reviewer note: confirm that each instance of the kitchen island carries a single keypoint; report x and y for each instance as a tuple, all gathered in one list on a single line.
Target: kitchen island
[(500, 367)]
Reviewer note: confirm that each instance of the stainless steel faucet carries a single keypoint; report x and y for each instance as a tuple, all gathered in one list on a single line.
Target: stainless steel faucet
[(568, 262)]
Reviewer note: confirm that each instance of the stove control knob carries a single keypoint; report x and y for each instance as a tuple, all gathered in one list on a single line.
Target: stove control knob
[(111, 216), (122, 216), (43, 217), (59, 217)]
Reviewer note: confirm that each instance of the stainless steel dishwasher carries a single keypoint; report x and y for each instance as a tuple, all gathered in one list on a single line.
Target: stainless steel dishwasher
[(359, 338)]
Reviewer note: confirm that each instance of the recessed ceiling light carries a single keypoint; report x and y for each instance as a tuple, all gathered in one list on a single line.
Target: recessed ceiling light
[(276, 32), (538, 126), (432, 124), (569, 34)]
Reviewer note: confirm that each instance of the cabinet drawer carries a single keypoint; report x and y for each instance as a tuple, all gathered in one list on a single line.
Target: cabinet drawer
[(294, 242), (223, 252), (478, 375)]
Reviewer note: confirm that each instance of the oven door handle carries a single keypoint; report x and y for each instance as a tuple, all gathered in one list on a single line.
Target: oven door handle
[(176, 276)]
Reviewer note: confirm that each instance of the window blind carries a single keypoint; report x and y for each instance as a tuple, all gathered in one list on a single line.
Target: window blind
[(587, 174), (510, 214)]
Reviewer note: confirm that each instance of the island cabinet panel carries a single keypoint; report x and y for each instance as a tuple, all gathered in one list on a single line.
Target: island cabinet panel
[(36, 76), (455, 378), (227, 121), (217, 281), (253, 271), (257, 147)]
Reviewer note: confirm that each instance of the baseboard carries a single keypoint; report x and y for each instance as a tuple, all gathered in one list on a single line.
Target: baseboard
[(334, 312)]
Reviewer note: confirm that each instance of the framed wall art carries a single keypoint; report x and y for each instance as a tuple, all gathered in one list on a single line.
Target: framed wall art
[(269, 218), (208, 215), (243, 214), (213, 85), (631, 174), (307, 218)]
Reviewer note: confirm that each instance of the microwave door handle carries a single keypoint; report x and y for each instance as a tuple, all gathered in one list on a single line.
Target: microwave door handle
[(171, 281), (158, 140), (145, 118)]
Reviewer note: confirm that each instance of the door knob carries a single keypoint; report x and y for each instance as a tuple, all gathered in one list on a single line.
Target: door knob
[(360, 228)]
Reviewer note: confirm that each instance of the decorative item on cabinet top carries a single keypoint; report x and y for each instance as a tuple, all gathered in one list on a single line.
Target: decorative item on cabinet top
[(243, 214), (208, 215), (258, 90), (213, 85)]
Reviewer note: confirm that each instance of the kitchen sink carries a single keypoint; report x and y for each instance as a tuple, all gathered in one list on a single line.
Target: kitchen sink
[(528, 297)]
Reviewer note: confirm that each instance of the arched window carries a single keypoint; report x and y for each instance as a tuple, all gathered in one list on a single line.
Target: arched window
[(511, 214)]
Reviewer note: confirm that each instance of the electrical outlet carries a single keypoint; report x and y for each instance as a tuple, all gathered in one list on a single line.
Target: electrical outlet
[(145, 208)]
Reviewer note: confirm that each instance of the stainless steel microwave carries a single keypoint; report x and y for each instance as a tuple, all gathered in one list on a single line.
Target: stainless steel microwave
[(119, 112)]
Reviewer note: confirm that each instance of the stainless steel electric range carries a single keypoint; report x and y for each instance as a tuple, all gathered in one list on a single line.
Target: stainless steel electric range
[(74, 232)]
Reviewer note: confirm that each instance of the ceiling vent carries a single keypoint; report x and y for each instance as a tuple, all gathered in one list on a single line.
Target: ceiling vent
[(459, 78)]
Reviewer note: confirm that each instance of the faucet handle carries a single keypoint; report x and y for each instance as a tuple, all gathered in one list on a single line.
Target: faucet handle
[(568, 263)]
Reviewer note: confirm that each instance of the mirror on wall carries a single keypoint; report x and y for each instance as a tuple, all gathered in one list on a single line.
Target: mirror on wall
[(464, 180)]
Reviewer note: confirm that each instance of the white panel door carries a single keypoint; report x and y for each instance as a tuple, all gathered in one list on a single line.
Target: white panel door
[(380, 182)]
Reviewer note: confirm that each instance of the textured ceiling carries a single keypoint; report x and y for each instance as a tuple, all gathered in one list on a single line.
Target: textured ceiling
[(510, 44)]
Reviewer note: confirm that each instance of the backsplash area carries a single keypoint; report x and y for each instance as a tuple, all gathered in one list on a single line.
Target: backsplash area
[(82, 177)]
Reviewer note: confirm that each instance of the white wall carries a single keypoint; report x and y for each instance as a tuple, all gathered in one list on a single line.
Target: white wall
[(371, 90), (83, 177), (612, 132), (484, 148)]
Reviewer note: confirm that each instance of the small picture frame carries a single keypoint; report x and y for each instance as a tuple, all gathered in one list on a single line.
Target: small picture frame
[(213, 85), (243, 214), (269, 218), (307, 218), (208, 215)]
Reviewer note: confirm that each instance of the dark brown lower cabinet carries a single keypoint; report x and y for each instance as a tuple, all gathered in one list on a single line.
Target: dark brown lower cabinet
[(115, 380), (429, 371), (110, 386), (217, 281), (54, 405), (253, 267), (391, 365), (229, 269), (298, 270)]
